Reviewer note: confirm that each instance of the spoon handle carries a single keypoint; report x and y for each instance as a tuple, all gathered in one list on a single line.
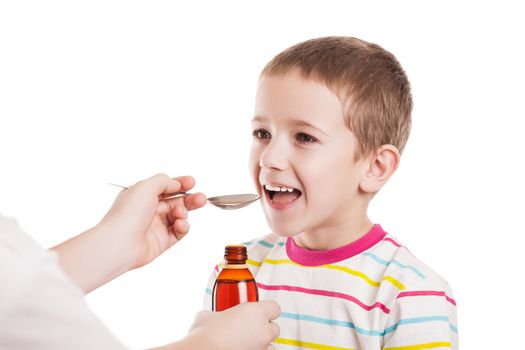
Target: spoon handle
[(175, 195), (169, 196)]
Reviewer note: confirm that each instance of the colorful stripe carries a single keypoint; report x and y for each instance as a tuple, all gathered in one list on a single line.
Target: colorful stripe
[(280, 261), (330, 322), (326, 293), (253, 262), (388, 239), (416, 320), (345, 269), (376, 333), (395, 282), (264, 243), (393, 262), (363, 276), (307, 345), (423, 293), (438, 344)]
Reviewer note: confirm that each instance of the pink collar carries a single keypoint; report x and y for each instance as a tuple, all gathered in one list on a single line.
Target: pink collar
[(308, 257)]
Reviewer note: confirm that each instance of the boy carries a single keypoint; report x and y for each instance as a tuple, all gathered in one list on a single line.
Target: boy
[(332, 116)]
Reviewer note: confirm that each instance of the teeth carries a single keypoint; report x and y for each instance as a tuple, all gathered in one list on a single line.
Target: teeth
[(278, 189)]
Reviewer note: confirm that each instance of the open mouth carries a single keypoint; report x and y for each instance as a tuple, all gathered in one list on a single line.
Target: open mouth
[(281, 195)]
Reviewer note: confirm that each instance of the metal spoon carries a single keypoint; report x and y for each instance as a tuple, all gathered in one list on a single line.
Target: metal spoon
[(228, 202), (233, 201)]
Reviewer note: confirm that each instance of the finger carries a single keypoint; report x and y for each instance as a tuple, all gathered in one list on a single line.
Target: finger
[(162, 184), (173, 207), (163, 207), (274, 330), (271, 347), (190, 201), (187, 182), (179, 212), (195, 201), (271, 308), (180, 228)]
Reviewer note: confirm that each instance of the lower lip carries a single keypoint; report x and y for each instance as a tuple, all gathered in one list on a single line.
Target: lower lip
[(279, 206)]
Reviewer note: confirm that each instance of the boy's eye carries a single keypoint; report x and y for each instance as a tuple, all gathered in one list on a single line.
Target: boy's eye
[(261, 134), (305, 138)]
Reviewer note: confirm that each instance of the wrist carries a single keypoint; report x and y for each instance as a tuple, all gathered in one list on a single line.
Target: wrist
[(111, 249), (93, 258)]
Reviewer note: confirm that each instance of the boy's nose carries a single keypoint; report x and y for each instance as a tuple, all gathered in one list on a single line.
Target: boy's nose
[(274, 156)]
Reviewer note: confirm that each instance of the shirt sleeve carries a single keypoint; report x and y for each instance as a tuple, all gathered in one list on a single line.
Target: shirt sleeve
[(422, 317), (40, 308)]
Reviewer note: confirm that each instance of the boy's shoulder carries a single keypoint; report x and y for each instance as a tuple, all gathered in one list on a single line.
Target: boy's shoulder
[(404, 266), (414, 293)]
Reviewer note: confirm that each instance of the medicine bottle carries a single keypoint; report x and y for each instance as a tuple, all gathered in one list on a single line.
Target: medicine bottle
[(235, 283)]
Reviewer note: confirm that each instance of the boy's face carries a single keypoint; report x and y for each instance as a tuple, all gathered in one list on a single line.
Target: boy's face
[(300, 144)]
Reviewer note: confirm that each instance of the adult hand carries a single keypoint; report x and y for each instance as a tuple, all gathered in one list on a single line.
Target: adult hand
[(144, 224), (246, 326), (138, 228)]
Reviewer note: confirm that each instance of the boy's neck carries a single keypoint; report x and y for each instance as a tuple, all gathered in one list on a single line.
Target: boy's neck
[(335, 236)]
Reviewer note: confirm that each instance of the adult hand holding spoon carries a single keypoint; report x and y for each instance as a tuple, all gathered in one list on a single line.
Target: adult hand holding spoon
[(228, 202), (147, 220)]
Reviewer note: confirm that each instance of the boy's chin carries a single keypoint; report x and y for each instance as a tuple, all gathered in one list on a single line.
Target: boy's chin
[(284, 230)]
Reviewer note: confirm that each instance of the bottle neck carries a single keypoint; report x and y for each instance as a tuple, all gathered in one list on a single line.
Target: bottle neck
[(235, 266), (234, 256)]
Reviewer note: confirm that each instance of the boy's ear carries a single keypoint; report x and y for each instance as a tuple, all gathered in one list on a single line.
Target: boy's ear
[(381, 165)]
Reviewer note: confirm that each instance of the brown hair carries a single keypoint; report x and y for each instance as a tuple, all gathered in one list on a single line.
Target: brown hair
[(369, 80)]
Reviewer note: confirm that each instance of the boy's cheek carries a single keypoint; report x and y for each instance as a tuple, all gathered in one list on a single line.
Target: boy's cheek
[(253, 164)]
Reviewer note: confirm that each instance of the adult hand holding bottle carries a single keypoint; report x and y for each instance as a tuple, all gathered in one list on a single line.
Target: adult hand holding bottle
[(246, 326)]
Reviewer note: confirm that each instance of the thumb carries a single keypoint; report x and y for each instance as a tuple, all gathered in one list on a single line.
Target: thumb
[(163, 184), (272, 310)]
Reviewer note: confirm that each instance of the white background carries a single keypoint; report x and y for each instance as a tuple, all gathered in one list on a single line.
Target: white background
[(114, 91)]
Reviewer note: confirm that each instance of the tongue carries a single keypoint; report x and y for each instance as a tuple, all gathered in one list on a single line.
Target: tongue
[(284, 197)]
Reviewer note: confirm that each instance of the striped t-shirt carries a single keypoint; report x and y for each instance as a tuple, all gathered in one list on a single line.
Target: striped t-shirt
[(370, 294)]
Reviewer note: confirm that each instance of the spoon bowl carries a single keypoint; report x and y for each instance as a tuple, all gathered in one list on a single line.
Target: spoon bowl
[(227, 202), (233, 201)]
